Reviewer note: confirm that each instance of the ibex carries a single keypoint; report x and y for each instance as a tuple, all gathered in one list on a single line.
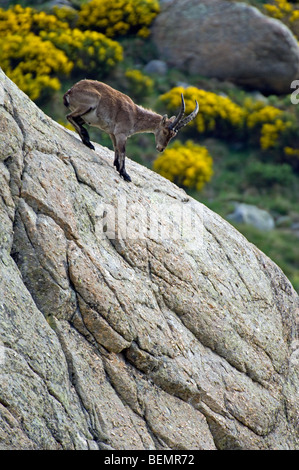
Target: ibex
[(99, 105)]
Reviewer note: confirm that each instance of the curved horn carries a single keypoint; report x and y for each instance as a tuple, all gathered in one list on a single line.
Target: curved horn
[(188, 118), (180, 115)]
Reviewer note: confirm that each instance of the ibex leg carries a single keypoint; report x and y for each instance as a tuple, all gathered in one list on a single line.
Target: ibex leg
[(75, 118), (120, 157), (116, 154)]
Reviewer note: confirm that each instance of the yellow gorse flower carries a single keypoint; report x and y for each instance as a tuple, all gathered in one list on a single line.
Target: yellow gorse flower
[(140, 85), (119, 17), (291, 153), (255, 120), (266, 114), (286, 12), (21, 21), (37, 48), (270, 133), (34, 62), (188, 165), (89, 50), (279, 9), (213, 108)]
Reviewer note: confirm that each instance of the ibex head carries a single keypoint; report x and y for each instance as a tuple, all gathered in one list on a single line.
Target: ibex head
[(170, 127)]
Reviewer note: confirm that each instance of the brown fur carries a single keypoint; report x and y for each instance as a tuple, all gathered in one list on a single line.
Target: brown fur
[(100, 105)]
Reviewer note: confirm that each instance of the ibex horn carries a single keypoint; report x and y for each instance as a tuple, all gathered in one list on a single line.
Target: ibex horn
[(187, 119), (179, 116)]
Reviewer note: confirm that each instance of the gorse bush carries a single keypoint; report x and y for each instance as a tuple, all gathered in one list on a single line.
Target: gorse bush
[(286, 12), (34, 65), (255, 122), (271, 134), (120, 17), (265, 123), (19, 20), (216, 113), (259, 113), (188, 165), (88, 50), (66, 14), (139, 84), (280, 9), (37, 50)]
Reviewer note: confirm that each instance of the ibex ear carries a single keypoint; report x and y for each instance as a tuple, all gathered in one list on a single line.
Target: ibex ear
[(172, 118), (164, 119)]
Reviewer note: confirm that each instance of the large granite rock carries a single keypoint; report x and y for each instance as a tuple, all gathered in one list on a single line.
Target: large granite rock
[(252, 215), (178, 339), (227, 40)]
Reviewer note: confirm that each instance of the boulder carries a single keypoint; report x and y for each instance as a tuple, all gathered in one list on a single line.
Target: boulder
[(229, 41), (131, 316), (158, 67), (252, 215)]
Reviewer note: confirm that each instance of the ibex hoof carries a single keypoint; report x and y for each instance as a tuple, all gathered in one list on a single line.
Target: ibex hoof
[(88, 144), (125, 176)]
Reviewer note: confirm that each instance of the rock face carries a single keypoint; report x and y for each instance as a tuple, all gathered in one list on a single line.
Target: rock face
[(227, 40), (168, 336)]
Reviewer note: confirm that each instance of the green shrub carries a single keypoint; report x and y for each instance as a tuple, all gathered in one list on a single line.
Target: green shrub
[(267, 174)]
